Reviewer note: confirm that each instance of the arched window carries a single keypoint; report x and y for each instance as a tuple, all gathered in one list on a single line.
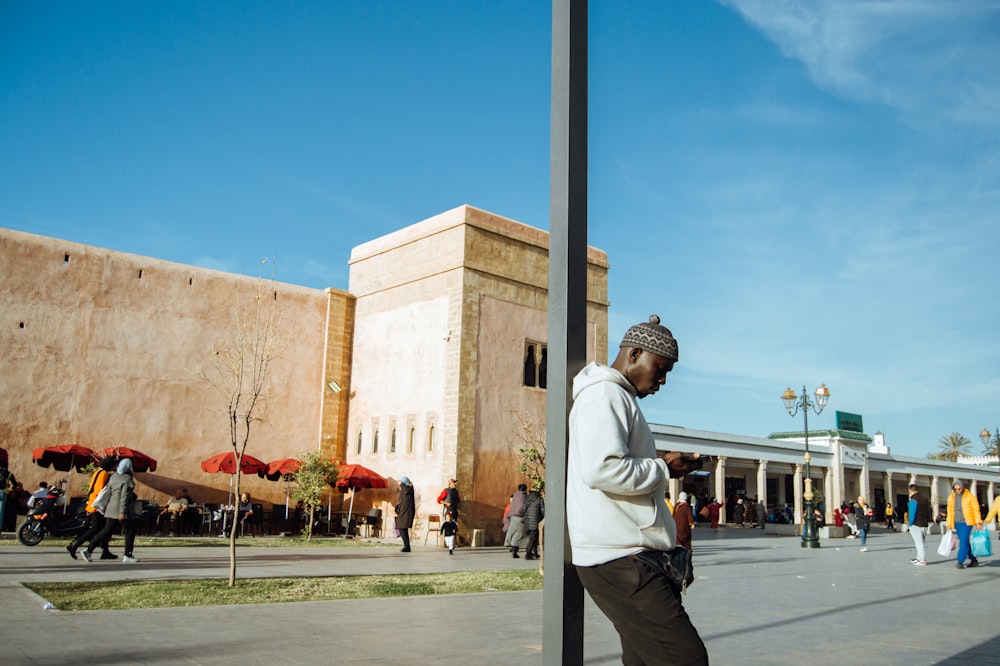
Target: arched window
[(392, 441), (430, 439), (409, 442), (530, 377), (375, 442), (358, 451)]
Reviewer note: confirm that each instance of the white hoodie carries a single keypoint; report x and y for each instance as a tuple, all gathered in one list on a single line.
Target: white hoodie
[(614, 481)]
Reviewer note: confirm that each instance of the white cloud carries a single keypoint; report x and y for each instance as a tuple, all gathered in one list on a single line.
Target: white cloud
[(932, 61)]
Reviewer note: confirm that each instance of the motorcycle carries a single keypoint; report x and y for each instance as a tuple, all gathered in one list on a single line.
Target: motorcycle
[(42, 520)]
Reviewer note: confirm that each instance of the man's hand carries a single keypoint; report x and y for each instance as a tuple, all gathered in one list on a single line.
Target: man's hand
[(680, 463)]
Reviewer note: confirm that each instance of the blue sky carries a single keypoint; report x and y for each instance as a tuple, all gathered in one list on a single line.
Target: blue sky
[(805, 191)]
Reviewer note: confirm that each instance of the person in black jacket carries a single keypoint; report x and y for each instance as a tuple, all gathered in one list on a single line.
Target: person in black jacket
[(534, 511), (918, 518), (406, 509)]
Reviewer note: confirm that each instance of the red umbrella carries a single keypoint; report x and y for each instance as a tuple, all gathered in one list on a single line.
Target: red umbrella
[(140, 461), (283, 467), (354, 478), (64, 458), (225, 463), (278, 469)]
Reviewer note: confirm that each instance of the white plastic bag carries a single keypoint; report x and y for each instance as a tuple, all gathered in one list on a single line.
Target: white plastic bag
[(947, 543)]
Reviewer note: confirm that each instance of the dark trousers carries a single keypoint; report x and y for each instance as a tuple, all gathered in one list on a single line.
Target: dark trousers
[(95, 525), (112, 525), (404, 532), (532, 549), (646, 611)]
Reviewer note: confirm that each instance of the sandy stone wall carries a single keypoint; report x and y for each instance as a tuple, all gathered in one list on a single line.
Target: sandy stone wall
[(100, 348)]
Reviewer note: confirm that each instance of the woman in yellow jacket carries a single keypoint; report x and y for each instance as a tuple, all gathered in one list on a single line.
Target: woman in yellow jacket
[(963, 519)]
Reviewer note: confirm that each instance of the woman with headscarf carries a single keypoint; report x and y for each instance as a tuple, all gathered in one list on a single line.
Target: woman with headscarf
[(122, 494), (406, 509), (684, 518), (95, 521)]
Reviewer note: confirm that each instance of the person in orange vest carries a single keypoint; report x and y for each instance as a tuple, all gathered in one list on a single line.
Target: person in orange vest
[(95, 521)]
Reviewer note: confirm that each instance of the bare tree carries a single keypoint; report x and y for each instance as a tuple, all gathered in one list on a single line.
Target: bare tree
[(239, 375), (530, 450)]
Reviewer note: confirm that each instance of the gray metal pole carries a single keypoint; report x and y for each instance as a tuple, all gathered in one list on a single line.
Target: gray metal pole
[(562, 623)]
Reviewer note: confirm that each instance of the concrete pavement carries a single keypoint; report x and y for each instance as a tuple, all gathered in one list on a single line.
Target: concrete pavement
[(757, 600)]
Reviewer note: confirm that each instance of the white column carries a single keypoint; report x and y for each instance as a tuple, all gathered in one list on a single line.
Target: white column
[(762, 481), (720, 487), (990, 494), (828, 504), (887, 488), (674, 488), (935, 497), (797, 484)]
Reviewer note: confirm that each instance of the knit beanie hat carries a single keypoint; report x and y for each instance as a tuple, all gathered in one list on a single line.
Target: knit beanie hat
[(125, 466), (651, 337)]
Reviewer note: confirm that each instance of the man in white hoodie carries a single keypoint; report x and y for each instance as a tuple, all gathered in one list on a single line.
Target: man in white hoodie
[(619, 526)]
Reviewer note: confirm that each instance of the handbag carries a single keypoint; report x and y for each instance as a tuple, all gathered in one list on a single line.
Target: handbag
[(947, 543), (100, 504), (704, 512), (981, 546)]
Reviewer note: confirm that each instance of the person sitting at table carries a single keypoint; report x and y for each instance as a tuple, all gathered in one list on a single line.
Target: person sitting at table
[(173, 512), (244, 510)]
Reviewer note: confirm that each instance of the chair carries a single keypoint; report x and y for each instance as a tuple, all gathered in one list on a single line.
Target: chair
[(433, 525), (207, 518), (276, 519), (373, 521)]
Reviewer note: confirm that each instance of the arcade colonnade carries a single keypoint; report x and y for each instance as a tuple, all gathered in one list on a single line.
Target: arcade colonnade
[(843, 465)]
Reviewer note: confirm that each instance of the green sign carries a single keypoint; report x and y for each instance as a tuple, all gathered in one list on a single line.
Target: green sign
[(849, 422)]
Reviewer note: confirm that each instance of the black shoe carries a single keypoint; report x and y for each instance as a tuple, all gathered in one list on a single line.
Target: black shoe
[(404, 550), (451, 551), (86, 556), (959, 566), (530, 557), (108, 555), (72, 551), (515, 555), (973, 563)]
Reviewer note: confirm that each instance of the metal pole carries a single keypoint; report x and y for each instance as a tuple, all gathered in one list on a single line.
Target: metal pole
[(562, 614), (810, 539)]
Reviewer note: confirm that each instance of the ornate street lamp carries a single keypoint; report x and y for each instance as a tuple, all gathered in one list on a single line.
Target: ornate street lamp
[(793, 403), (991, 441)]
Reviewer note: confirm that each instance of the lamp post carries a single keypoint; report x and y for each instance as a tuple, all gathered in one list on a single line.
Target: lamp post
[(794, 403), (991, 441)]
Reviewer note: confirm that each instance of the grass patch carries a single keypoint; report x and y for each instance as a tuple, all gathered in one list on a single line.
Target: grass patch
[(122, 595)]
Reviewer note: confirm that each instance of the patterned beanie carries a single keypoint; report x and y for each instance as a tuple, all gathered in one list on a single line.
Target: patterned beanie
[(651, 337)]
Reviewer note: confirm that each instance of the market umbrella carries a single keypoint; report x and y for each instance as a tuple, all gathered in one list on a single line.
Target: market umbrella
[(140, 461), (354, 478), (64, 458), (225, 463), (281, 469)]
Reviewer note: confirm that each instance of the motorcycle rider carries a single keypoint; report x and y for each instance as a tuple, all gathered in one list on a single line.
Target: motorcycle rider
[(95, 521)]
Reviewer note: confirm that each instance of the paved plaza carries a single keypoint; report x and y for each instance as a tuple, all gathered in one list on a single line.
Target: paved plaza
[(757, 600)]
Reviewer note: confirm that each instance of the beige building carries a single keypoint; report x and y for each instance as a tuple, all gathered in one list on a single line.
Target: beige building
[(438, 347)]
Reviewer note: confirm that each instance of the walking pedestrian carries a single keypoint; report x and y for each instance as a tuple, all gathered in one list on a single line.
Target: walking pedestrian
[(95, 520), (963, 514), (864, 521), (516, 538), (118, 513)]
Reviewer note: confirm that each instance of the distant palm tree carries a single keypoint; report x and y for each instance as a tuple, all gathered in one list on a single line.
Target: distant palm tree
[(952, 446)]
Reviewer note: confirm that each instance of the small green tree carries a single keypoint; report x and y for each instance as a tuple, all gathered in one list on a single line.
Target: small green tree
[(317, 473), (530, 450)]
